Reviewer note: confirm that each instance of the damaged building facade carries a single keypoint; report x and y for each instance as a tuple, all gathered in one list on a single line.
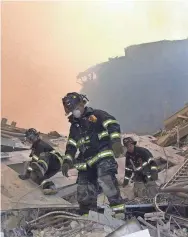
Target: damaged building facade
[(142, 88)]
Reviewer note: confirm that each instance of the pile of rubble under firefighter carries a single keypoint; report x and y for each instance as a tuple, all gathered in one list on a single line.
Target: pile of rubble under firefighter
[(165, 215)]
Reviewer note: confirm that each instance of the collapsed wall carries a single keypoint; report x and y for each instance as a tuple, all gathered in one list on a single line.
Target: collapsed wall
[(142, 88)]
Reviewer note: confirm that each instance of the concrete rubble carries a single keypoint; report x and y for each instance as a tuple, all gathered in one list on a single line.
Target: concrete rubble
[(175, 129), (26, 212)]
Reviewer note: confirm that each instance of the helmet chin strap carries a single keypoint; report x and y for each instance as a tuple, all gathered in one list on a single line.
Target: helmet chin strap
[(69, 114)]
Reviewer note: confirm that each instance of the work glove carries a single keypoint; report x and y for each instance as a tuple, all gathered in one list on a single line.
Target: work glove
[(147, 177), (65, 168), (117, 149), (154, 175)]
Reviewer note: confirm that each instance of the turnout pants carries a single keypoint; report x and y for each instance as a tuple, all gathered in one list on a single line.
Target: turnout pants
[(101, 176), (51, 165), (149, 189)]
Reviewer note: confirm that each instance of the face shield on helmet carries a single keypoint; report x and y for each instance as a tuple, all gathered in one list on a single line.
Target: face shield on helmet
[(74, 103), (31, 135)]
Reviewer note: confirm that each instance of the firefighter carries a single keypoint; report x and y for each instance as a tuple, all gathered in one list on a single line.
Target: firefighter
[(45, 162), (96, 134), (140, 166)]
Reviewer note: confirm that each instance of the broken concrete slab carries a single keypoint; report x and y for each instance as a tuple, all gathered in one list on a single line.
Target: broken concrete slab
[(23, 194), (170, 122), (171, 137)]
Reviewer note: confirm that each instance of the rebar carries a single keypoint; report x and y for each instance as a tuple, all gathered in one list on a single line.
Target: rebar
[(54, 212)]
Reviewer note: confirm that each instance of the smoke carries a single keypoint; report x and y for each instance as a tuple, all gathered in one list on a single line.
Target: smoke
[(46, 44)]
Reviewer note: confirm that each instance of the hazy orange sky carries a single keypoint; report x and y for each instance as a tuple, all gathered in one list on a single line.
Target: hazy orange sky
[(46, 44)]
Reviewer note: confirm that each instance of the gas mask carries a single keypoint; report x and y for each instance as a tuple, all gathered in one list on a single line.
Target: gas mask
[(76, 113)]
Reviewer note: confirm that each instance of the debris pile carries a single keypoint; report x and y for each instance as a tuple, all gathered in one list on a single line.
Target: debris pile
[(176, 130), (29, 213), (67, 223)]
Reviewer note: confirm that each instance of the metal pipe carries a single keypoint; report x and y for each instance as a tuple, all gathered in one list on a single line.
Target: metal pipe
[(54, 212), (50, 222), (178, 185), (66, 217)]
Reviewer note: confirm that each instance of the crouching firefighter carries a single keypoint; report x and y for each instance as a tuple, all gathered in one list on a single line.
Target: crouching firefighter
[(141, 166), (45, 163), (96, 134)]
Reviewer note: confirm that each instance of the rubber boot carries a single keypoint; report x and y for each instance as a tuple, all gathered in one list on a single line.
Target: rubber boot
[(40, 171), (49, 189), (26, 172)]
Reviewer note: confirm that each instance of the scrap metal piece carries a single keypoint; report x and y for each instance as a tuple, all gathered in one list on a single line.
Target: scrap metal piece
[(154, 216), (182, 171), (105, 219), (158, 230), (129, 227)]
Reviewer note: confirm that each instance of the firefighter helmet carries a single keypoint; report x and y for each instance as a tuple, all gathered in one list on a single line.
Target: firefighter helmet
[(72, 100), (127, 140), (31, 134)]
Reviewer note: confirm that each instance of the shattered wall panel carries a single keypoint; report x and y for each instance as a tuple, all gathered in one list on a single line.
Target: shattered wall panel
[(139, 91)]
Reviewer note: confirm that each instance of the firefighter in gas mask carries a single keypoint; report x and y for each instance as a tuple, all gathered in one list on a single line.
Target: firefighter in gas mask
[(142, 168), (45, 162), (96, 134)]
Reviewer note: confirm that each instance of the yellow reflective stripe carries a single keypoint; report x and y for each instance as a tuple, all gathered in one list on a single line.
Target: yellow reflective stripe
[(139, 168), (83, 141), (43, 162), (115, 135), (99, 156), (154, 168), (58, 156), (85, 215), (150, 159), (34, 157), (43, 182), (144, 164), (56, 152), (103, 134), (81, 166), (109, 121), (68, 157), (72, 142), (118, 207), (29, 168), (126, 177)]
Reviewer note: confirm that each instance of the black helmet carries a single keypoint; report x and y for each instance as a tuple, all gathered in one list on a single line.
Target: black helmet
[(32, 134), (71, 100), (127, 140)]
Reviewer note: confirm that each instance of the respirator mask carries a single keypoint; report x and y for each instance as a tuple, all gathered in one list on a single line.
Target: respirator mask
[(76, 113)]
